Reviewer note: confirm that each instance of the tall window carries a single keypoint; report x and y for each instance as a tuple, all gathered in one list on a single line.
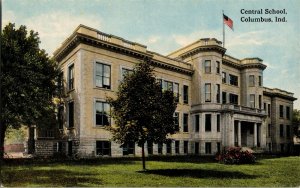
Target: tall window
[(60, 116), (160, 148), (197, 123), (60, 84), (150, 148), (169, 147), (207, 92), (269, 110), (196, 148), (288, 131), (176, 120), (265, 106), (171, 86), (251, 80), (185, 94), (218, 122), (102, 75), (208, 147), (207, 122), (102, 113), (281, 111), (176, 91), (218, 93), (252, 101), (287, 112), (71, 77), (218, 67), (269, 130), (259, 81), (224, 97), (223, 77), (71, 114), (207, 66), (233, 80), (185, 122), (281, 130), (259, 101), (129, 148), (177, 146), (185, 147), (218, 147), (103, 148), (233, 99)]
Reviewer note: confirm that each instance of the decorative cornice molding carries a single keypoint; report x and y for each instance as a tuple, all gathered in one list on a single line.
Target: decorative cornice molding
[(271, 94), (244, 66), (207, 48)]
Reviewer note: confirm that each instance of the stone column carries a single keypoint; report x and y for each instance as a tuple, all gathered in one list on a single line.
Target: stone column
[(239, 134), (255, 134)]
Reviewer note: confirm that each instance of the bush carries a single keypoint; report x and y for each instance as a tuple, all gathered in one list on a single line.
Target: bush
[(235, 155)]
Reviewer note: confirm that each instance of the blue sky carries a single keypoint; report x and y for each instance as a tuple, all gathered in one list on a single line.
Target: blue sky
[(166, 25)]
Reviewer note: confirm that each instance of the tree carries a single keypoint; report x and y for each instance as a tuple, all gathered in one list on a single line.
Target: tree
[(142, 111), (27, 80), (296, 122)]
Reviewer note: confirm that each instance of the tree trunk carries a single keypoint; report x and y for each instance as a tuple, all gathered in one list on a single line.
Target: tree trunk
[(2, 136), (143, 157)]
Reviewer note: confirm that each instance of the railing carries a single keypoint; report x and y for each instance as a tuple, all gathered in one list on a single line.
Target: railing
[(128, 45), (242, 108), (103, 37)]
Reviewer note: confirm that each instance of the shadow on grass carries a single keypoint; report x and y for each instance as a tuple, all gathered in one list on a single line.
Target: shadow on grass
[(199, 173), (46, 178)]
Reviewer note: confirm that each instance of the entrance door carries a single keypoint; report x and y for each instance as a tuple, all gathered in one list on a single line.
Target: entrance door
[(70, 148)]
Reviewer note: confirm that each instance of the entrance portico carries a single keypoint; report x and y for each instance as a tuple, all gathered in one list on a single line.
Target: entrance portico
[(247, 134)]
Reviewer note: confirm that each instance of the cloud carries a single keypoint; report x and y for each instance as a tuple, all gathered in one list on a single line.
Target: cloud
[(8, 16), (55, 27), (187, 39)]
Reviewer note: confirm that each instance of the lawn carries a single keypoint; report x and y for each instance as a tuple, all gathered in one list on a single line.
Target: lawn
[(282, 172)]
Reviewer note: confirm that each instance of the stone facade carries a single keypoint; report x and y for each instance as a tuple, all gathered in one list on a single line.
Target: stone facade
[(221, 98)]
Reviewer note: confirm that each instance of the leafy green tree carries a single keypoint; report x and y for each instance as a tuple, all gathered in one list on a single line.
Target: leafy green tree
[(296, 122), (142, 111), (27, 80)]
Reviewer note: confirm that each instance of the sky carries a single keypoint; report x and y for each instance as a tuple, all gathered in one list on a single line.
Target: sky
[(166, 25)]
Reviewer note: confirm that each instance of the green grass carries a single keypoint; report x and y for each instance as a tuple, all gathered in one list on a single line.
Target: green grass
[(197, 172)]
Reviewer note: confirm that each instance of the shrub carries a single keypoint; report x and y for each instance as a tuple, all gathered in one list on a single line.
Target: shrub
[(235, 155)]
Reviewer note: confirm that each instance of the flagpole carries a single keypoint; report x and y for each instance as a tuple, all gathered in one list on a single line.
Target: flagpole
[(223, 29)]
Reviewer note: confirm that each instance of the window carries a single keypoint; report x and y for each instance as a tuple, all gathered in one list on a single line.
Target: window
[(170, 86), (233, 99), (103, 148), (259, 81), (218, 93), (60, 117), (102, 113), (287, 112), (223, 77), (126, 72), (59, 147), (265, 106), (150, 148), (281, 111), (159, 148), (185, 123), (269, 110), (233, 80), (251, 80), (196, 148), (282, 148), (259, 101), (102, 75), (71, 77), (207, 122), (169, 147), (269, 130), (224, 97), (218, 147), (288, 131), (71, 114), (207, 66), (185, 147), (281, 130), (207, 92), (185, 94), (197, 123), (218, 67), (176, 121), (177, 146), (208, 147), (252, 101), (218, 122), (60, 84), (129, 148)]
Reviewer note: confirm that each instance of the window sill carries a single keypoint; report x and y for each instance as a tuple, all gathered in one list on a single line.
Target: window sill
[(102, 88), (70, 128), (71, 90)]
